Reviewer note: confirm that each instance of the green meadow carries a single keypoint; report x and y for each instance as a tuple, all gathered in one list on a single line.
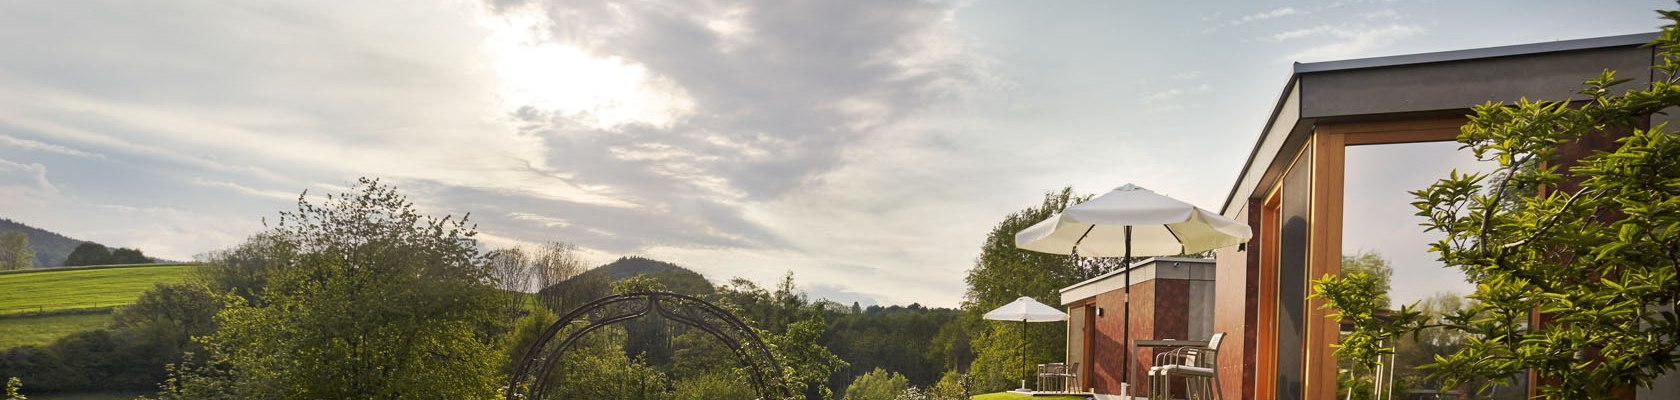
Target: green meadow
[(39, 306)]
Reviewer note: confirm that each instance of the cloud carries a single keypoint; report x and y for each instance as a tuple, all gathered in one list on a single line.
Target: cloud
[(32, 145), (25, 184), (1265, 15), (246, 190), (1347, 41), (767, 97)]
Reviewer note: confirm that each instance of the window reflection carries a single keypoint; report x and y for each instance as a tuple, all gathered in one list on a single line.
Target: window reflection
[(1381, 234)]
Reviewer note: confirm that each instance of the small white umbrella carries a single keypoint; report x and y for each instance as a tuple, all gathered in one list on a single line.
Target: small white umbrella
[(1025, 309), (1132, 221)]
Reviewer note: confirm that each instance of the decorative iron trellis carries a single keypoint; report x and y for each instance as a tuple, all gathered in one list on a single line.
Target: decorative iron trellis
[(536, 377)]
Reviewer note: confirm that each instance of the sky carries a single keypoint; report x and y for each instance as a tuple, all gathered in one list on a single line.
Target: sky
[(865, 146)]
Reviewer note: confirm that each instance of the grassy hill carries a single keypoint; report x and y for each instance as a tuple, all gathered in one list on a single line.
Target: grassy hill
[(38, 306), (50, 248)]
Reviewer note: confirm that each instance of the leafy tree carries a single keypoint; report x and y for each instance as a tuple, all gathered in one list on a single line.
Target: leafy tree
[(877, 385), (88, 253), (1596, 254), (365, 298), (124, 255), (13, 387), (805, 364), (15, 252), (1003, 273), (1371, 264), (951, 386)]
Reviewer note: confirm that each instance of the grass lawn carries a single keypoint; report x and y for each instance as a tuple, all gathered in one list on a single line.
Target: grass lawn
[(88, 395), (82, 288), (1017, 396), (43, 329)]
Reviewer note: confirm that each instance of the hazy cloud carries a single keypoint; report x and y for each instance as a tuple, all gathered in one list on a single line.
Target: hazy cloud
[(32, 145), (1265, 15), (1347, 41)]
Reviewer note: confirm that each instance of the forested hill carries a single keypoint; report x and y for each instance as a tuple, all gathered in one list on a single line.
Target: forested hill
[(597, 282), (50, 248)]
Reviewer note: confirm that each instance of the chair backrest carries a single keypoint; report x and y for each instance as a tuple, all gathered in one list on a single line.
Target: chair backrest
[(1213, 342)]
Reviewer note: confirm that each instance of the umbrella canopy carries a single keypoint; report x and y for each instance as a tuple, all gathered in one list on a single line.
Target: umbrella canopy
[(1026, 309), (1132, 221), (1162, 226)]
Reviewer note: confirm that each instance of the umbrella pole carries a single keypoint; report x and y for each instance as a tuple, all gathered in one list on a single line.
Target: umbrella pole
[(1127, 324), (1026, 368)]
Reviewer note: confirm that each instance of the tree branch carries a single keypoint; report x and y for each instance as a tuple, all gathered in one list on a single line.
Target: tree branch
[(1550, 222)]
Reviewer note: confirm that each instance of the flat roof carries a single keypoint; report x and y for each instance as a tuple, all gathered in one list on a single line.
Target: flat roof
[(1479, 53), (1282, 120), (1100, 283)]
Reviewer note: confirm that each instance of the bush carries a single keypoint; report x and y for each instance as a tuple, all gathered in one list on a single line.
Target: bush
[(877, 385), (717, 383)]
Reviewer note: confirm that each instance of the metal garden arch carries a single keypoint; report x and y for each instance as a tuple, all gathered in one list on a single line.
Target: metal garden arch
[(533, 378)]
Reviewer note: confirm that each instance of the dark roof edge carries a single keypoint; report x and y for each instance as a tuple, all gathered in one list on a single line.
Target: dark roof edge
[(1486, 52), (1277, 108)]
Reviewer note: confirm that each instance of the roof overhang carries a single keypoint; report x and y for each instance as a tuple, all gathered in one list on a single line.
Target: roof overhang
[(1438, 84)]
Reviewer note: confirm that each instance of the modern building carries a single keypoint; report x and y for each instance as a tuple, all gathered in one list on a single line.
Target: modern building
[(1328, 177), (1172, 298)]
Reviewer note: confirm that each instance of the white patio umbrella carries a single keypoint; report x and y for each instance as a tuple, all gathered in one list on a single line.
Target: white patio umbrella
[(1132, 221), (1025, 309)]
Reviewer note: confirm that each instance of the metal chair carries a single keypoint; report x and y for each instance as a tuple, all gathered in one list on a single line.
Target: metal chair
[(1199, 366), (1058, 376)]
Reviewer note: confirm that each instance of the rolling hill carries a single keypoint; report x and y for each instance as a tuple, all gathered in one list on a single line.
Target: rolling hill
[(50, 248)]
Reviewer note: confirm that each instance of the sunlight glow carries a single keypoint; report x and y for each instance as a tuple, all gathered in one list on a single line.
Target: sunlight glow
[(603, 92)]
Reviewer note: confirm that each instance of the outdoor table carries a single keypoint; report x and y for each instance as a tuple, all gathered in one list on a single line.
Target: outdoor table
[(1130, 376)]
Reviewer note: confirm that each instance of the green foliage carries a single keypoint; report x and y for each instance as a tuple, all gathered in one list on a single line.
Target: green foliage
[(365, 298), (597, 368), (951, 386), (895, 338), (877, 385), (15, 253), (1003, 273), (88, 253), (1375, 267), (1597, 253), (13, 388), (805, 364), (525, 333), (712, 384), (124, 255)]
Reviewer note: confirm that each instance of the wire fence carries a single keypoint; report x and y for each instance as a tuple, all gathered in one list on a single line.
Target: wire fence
[(62, 308)]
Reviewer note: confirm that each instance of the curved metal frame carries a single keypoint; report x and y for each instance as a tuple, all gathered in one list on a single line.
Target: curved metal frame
[(537, 366)]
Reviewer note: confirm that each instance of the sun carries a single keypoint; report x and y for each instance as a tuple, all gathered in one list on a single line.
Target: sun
[(605, 92)]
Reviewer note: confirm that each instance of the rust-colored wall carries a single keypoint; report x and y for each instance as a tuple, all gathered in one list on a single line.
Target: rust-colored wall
[(1106, 351), (1160, 310), (1236, 292)]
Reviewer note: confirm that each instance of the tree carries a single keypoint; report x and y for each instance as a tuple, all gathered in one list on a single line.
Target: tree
[(513, 272), (365, 298), (1003, 273), (877, 384), (88, 253), (124, 255), (15, 252), (555, 262), (1580, 282)]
